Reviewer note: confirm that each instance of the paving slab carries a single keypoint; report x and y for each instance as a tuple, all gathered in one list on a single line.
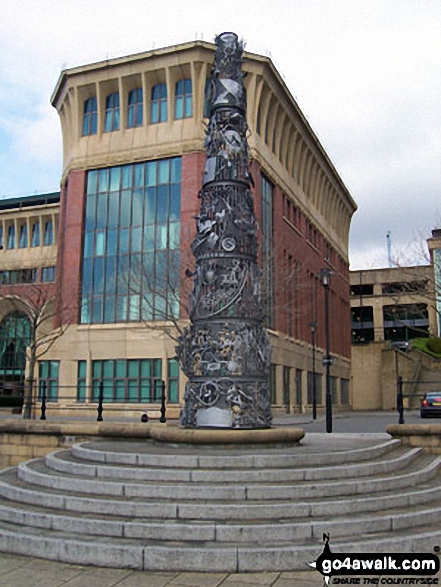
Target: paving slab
[(136, 579), (198, 580), (22, 571), (98, 577), (249, 579)]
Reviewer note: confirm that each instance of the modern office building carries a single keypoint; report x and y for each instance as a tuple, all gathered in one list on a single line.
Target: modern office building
[(133, 157), (390, 307)]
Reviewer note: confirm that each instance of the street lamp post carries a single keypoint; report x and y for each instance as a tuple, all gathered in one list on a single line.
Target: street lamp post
[(325, 275), (313, 327)]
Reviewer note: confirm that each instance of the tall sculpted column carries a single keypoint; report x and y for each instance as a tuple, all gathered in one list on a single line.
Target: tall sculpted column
[(225, 352)]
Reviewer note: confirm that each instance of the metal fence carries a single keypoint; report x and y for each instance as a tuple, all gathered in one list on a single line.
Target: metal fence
[(37, 398)]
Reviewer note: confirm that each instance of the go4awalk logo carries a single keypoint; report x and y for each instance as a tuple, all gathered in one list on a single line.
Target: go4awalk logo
[(330, 565)]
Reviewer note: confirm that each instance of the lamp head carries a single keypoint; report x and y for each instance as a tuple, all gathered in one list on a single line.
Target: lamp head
[(325, 275)]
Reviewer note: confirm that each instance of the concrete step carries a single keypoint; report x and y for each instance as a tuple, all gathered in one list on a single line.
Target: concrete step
[(156, 556), (37, 473), (149, 454), (66, 462), (120, 507), (235, 531)]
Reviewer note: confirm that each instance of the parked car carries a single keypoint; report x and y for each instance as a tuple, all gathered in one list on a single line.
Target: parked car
[(431, 404)]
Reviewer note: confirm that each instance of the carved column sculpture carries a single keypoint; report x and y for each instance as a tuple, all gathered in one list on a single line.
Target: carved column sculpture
[(225, 352)]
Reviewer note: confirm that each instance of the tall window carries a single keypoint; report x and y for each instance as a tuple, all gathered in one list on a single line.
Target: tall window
[(183, 99), (90, 116), (318, 387), (287, 386), (48, 379), (23, 239), (11, 236), (173, 380), (1, 235), (299, 388), (111, 121), (133, 380), (344, 387), (267, 251), (131, 246), (81, 381), (48, 238), (134, 114), (158, 105), (35, 235)]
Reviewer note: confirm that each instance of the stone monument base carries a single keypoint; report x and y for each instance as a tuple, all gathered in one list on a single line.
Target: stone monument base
[(227, 436)]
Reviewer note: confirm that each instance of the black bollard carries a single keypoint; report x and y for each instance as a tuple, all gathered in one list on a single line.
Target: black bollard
[(43, 401), (100, 402), (163, 418), (400, 406)]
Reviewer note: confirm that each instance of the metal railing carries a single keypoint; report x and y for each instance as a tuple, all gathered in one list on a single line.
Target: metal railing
[(36, 403)]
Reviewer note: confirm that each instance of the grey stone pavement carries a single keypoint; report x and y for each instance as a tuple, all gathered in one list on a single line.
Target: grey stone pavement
[(22, 571)]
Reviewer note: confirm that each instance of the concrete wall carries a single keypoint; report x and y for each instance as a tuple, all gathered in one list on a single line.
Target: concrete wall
[(375, 368), (24, 440)]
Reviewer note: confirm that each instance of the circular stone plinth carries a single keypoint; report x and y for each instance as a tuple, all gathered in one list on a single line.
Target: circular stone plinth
[(227, 435)]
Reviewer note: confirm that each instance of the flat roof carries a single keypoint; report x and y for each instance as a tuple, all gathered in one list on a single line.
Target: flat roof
[(28, 201)]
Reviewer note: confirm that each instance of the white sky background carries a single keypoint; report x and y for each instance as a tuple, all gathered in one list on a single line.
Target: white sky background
[(366, 74)]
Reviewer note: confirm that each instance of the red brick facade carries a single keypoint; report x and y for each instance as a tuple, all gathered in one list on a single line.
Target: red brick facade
[(191, 182), (300, 251), (70, 244)]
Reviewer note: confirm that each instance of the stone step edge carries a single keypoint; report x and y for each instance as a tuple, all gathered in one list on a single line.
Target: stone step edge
[(57, 462), (219, 532), (178, 558), (214, 492), (82, 451), (193, 511)]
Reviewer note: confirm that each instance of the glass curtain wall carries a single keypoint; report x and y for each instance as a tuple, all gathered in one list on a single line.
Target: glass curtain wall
[(131, 247), (267, 251)]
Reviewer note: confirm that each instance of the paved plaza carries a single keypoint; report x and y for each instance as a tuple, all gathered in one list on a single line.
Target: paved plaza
[(21, 571)]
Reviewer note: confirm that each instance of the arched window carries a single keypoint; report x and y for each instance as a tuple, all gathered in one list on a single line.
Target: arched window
[(15, 336)]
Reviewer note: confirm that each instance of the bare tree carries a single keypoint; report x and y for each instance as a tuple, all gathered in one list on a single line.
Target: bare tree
[(159, 297), (40, 305)]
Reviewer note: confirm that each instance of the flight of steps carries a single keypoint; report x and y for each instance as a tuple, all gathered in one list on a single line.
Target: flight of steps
[(146, 506)]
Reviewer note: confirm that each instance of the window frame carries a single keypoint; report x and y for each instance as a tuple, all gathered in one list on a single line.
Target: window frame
[(90, 116), (23, 236), (183, 99), (48, 236), (135, 108), (159, 103), (112, 113), (50, 380)]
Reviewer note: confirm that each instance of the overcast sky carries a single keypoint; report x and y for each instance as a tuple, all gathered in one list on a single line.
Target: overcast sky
[(366, 74)]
